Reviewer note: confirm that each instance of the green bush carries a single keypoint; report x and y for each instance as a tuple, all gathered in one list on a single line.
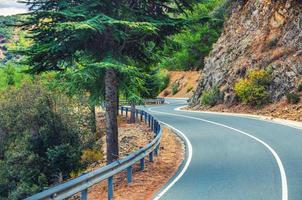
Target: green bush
[(11, 75), (253, 89), (42, 136), (293, 98), (211, 97), (175, 87)]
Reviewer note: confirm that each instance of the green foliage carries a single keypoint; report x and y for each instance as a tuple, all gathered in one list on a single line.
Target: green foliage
[(5, 29), (253, 89), (91, 156), (77, 35), (155, 80), (293, 98), (42, 135), (300, 87), (175, 88), (12, 75), (187, 49), (211, 97)]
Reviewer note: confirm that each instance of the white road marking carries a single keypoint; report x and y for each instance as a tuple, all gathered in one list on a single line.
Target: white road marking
[(288, 123), (184, 169), (277, 158)]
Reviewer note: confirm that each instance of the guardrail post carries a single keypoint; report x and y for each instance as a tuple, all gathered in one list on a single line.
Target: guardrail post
[(122, 110), (149, 120), (136, 114), (156, 151), (126, 113), (84, 195), (129, 174), (145, 116), (142, 163), (152, 123), (154, 126), (151, 156), (110, 188), (157, 128), (142, 115)]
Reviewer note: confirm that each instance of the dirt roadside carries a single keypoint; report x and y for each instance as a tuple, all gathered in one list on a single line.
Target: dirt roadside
[(146, 183)]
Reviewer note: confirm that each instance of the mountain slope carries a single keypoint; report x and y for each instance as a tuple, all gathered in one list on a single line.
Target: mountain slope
[(258, 35)]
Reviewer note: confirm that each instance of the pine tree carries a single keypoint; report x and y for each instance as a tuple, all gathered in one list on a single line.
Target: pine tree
[(100, 38)]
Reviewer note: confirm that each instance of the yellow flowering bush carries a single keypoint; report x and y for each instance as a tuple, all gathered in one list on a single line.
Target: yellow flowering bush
[(253, 89)]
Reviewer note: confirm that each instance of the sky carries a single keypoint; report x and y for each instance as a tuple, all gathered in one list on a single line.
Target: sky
[(11, 7)]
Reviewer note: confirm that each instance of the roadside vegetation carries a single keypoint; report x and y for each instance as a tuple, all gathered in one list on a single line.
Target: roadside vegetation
[(211, 97), (253, 89)]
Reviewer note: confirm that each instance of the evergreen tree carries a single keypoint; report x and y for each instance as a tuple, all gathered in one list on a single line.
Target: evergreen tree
[(100, 38)]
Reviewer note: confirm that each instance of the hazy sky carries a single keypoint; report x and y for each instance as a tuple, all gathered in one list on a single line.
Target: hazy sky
[(11, 7)]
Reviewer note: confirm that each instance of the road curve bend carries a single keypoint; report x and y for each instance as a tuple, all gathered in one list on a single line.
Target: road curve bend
[(232, 157)]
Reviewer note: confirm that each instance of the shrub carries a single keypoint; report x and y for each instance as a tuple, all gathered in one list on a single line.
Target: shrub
[(91, 156), (211, 97), (175, 87), (189, 89), (167, 92), (300, 87), (42, 133), (293, 98), (156, 81), (253, 90), (272, 43)]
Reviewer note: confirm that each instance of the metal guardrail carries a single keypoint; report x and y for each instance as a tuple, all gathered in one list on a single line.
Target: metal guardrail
[(85, 181), (146, 101)]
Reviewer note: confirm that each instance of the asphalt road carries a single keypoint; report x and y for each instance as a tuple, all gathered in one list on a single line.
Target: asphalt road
[(233, 158)]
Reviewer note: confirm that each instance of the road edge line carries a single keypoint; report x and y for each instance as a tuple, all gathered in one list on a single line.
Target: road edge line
[(183, 168), (278, 121)]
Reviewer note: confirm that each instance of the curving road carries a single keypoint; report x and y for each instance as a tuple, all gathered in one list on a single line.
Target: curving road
[(233, 158)]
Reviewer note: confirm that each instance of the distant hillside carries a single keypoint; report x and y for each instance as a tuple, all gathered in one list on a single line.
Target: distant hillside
[(181, 84)]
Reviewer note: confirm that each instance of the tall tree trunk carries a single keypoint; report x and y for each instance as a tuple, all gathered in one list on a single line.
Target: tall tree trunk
[(118, 101), (111, 115), (132, 116)]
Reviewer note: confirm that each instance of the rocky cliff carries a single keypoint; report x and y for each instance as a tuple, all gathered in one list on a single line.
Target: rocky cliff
[(258, 34)]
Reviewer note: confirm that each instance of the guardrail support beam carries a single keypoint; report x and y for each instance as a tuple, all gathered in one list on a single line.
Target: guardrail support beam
[(129, 174), (149, 120), (151, 157), (84, 195), (152, 123), (110, 188), (156, 151), (142, 163), (142, 115)]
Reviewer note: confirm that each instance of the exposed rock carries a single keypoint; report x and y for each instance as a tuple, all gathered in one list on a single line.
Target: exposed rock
[(258, 34)]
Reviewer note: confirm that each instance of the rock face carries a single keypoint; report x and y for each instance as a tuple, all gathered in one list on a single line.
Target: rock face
[(258, 34)]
